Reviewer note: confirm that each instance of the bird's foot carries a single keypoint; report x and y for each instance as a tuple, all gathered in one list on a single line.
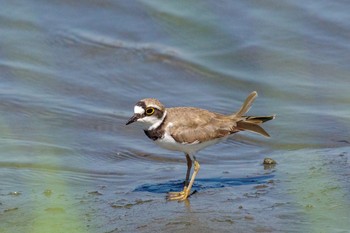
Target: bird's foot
[(178, 196)]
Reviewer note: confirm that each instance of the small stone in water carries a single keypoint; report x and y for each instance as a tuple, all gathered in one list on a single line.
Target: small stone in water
[(48, 192), (15, 193), (269, 161)]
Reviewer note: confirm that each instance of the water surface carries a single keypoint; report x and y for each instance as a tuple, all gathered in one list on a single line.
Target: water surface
[(71, 72)]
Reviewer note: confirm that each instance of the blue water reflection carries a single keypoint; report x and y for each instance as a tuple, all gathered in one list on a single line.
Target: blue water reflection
[(203, 184)]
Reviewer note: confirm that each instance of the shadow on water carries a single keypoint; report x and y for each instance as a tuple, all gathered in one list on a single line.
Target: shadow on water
[(202, 184)]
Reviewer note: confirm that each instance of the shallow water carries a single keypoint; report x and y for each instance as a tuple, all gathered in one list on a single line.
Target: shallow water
[(71, 72)]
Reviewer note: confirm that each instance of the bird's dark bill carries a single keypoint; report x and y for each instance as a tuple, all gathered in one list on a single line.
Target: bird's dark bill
[(133, 119)]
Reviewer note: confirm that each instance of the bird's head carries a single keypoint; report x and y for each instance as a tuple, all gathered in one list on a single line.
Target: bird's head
[(150, 112)]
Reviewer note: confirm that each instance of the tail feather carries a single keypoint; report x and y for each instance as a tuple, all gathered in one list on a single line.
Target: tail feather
[(251, 123), (259, 119), (246, 105), (244, 125)]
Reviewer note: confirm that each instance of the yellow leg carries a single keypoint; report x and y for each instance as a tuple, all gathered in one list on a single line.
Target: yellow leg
[(181, 196), (189, 166), (187, 180)]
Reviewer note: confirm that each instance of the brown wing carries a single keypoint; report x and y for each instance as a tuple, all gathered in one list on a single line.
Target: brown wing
[(198, 125)]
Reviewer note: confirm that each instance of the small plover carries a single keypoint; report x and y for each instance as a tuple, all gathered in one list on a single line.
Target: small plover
[(189, 130)]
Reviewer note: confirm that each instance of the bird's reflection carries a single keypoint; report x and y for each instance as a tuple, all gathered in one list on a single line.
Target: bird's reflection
[(203, 184)]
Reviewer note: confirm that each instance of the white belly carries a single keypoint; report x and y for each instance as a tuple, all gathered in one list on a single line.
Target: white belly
[(169, 143)]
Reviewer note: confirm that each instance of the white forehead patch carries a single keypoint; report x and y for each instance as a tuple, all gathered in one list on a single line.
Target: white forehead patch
[(139, 110)]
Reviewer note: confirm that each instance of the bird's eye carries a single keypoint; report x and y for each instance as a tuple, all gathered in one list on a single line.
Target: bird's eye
[(149, 111)]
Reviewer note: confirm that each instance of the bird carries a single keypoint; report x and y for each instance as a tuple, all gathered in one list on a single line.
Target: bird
[(190, 129)]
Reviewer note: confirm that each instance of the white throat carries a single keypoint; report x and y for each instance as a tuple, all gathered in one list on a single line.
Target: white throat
[(157, 123)]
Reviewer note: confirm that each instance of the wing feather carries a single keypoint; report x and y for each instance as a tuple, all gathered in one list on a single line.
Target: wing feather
[(203, 126)]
